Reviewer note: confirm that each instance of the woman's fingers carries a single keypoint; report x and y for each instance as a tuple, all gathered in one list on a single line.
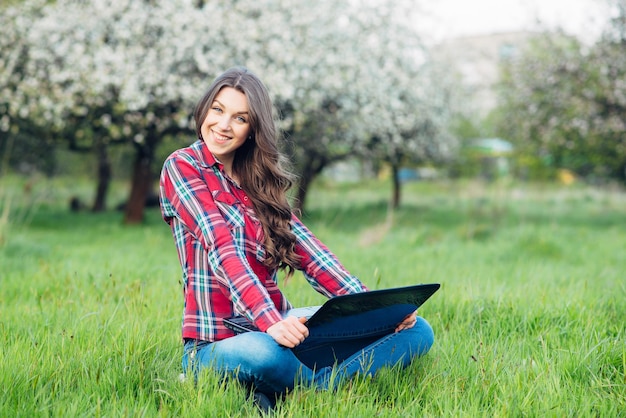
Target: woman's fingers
[(289, 332), (408, 322)]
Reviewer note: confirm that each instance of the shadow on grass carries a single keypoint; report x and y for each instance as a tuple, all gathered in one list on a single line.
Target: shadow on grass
[(355, 218), (61, 219), (476, 217)]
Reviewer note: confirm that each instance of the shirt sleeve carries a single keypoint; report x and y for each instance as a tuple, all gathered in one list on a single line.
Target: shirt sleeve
[(321, 267), (186, 196)]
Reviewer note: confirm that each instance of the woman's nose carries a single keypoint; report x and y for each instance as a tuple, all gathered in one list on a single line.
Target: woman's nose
[(224, 123)]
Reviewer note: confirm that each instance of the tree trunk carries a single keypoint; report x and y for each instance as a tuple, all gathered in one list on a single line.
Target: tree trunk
[(312, 168), (141, 183), (303, 188), (395, 199), (104, 176)]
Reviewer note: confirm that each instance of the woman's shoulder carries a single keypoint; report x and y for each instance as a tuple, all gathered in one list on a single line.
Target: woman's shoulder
[(191, 153)]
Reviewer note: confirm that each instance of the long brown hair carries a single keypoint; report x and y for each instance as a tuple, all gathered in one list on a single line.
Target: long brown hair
[(259, 165)]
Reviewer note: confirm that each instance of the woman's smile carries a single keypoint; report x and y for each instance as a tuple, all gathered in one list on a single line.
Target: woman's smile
[(226, 126)]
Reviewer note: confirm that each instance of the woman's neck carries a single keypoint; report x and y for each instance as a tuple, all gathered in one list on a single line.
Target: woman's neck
[(229, 172)]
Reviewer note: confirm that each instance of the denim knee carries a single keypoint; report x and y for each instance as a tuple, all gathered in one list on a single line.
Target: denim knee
[(255, 358), (423, 337)]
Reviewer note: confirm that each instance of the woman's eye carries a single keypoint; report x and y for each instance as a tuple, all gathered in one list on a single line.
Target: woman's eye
[(217, 109), (240, 119)]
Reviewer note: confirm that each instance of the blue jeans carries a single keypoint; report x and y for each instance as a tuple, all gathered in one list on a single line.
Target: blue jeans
[(256, 360)]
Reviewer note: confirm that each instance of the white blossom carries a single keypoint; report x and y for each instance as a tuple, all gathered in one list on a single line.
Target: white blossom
[(363, 59)]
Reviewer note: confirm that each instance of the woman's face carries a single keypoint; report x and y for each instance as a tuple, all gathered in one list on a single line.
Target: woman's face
[(227, 124)]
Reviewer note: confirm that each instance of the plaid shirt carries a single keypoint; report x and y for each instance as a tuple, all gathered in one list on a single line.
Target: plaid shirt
[(220, 244)]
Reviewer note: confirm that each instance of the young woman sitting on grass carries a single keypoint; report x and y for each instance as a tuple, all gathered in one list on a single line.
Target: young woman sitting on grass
[(224, 198)]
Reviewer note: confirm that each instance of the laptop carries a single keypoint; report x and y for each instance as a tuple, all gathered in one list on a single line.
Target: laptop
[(398, 302)]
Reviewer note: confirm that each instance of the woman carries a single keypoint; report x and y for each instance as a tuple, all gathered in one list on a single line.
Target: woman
[(224, 198)]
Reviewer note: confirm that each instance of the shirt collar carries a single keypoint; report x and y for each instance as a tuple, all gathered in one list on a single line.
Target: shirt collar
[(206, 158)]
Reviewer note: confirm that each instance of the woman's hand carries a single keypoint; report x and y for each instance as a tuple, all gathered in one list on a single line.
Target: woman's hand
[(408, 322), (289, 332)]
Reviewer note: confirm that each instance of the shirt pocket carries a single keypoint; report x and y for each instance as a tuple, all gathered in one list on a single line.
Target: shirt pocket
[(229, 206)]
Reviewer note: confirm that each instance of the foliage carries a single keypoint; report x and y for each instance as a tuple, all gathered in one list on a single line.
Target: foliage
[(528, 322), (565, 102), (132, 71)]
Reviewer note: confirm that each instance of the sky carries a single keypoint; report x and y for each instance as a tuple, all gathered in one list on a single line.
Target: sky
[(454, 18)]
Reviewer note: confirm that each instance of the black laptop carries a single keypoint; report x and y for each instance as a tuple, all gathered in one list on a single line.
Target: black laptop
[(401, 300)]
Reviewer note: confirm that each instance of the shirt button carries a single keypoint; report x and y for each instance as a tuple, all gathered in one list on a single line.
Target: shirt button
[(245, 198)]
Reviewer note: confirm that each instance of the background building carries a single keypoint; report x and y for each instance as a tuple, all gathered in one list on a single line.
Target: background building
[(476, 60)]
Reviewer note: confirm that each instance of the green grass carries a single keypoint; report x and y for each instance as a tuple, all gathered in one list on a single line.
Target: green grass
[(530, 319)]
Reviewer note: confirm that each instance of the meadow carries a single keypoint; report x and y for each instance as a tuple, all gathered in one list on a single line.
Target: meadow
[(529, 321)]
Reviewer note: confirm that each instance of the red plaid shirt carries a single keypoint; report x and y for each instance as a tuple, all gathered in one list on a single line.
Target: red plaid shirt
[(220, 244)]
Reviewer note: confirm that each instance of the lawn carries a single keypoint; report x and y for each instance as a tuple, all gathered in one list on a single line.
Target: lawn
[(530, 319)]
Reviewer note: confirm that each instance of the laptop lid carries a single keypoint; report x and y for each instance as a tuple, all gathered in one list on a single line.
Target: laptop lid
[(404, 300), (412, 297)]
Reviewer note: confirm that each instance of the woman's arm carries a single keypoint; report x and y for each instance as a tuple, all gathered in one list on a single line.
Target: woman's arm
[(321, 267)]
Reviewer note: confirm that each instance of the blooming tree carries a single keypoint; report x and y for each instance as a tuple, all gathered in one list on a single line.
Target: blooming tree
[(566, 101), (346, 79), (405, 97), (105, 71), (13, 47)]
